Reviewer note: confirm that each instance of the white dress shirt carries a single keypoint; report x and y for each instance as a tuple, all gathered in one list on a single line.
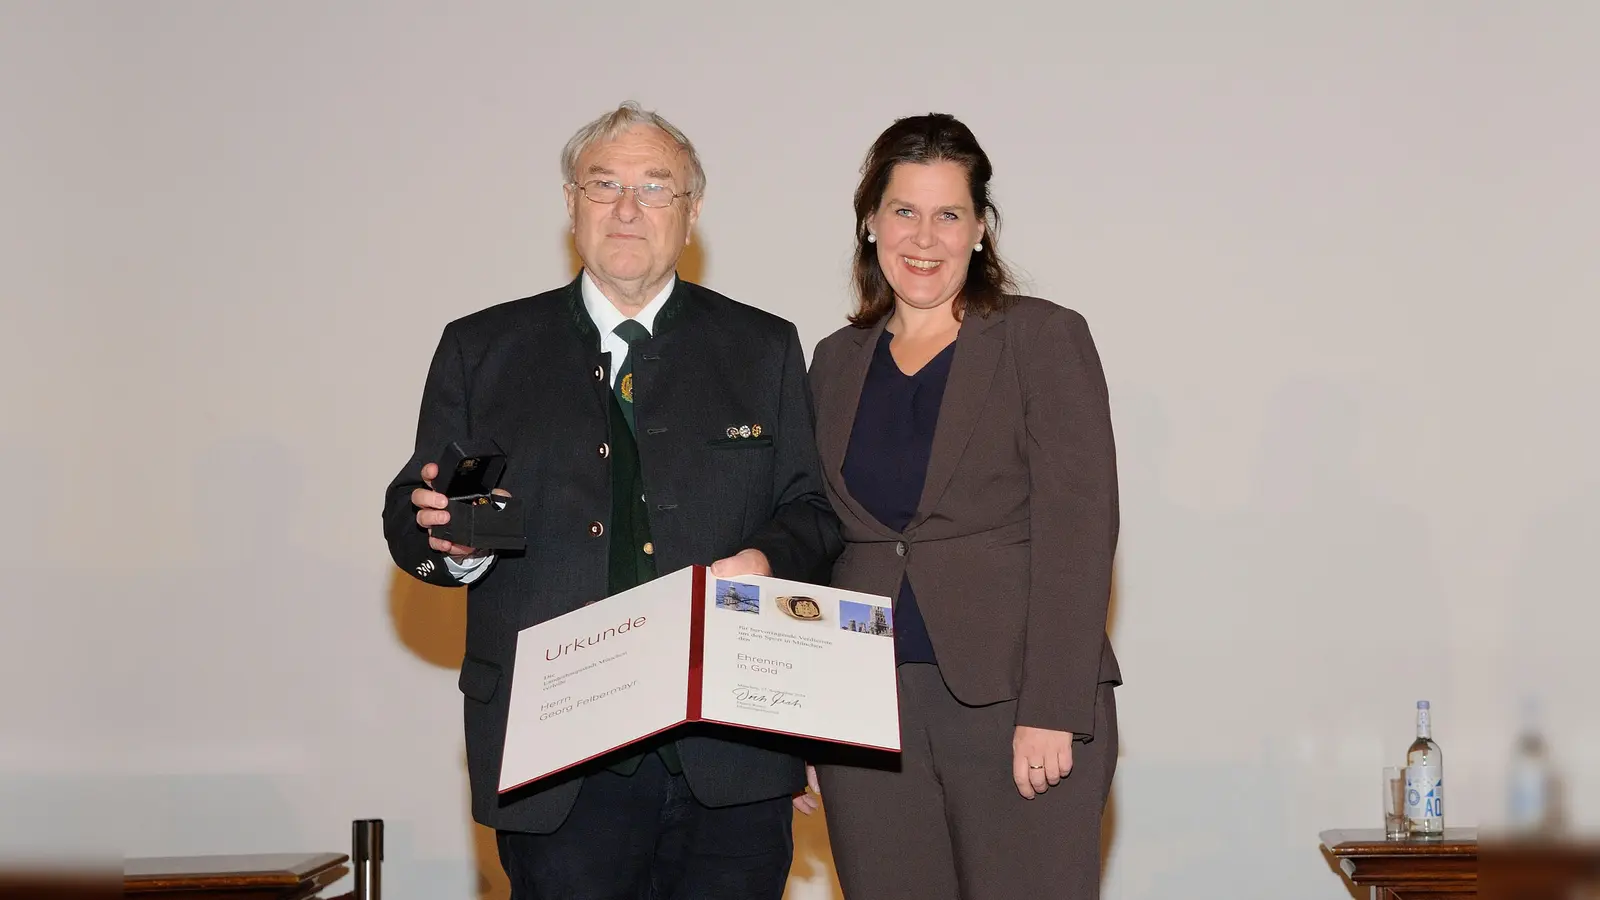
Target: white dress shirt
[(605, 317)]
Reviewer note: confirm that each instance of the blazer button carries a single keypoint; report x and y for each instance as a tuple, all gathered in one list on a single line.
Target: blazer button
[(599, 373), (649, 548), (900, 548), (596, 529), (604, 450)]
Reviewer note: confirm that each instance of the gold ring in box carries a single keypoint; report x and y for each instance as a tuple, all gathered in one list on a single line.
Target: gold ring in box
[(805, 608)]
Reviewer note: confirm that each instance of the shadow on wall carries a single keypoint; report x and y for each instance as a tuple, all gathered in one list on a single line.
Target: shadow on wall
[(1108, 822), (492, 881), (811, 876), (1108, 819), (430, 621)]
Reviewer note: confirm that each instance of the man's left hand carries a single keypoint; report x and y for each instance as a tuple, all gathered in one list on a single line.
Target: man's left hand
[(745, 562), (1039, 758)]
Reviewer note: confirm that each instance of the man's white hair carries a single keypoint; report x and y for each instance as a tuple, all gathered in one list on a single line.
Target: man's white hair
[(615, 124)]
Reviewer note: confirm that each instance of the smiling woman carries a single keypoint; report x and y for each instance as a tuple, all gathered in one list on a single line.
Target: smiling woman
[(924, 212), (965, 436)]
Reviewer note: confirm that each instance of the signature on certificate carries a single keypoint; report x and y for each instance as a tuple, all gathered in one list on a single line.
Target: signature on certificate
[(766, 698)]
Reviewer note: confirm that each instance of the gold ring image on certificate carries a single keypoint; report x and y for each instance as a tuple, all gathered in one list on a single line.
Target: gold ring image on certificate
[(803, 608)]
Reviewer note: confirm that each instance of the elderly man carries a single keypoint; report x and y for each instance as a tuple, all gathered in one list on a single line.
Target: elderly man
[(649, 424)]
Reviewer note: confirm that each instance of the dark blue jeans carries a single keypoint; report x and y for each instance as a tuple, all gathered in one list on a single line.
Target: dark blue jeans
[(645, 837)]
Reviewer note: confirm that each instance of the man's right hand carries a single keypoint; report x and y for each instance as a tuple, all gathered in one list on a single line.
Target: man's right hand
[(433, 509)]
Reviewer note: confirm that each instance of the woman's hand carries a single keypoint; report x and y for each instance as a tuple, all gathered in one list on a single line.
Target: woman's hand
[(1039, 758), (810, 801)]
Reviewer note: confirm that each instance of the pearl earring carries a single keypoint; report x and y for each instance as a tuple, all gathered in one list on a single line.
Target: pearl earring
[(872, 238), (978, 247)]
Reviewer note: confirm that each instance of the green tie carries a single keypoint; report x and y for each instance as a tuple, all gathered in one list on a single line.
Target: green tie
[(631, 332)]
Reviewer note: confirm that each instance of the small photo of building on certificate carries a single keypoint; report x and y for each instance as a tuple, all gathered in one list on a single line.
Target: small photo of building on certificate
[(738, 596), (864, 618)]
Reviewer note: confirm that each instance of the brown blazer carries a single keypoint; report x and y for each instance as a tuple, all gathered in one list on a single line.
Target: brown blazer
[(1011, 548)]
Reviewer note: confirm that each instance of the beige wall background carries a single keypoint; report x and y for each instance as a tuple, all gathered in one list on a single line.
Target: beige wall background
[(1340, 259)]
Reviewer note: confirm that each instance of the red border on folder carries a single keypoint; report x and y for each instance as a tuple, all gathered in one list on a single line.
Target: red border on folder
[(697, 645)]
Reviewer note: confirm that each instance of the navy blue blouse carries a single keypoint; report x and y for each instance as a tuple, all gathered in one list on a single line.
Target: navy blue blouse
[(887, 462)]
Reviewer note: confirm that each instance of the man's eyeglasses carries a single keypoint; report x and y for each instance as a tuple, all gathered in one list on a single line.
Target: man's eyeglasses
[(654, 196)]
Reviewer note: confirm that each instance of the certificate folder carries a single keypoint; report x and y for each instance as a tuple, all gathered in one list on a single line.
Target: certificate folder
[(748, 652)]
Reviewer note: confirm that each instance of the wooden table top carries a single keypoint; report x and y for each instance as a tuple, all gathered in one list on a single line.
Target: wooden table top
[(1343, 842), (263, 871)]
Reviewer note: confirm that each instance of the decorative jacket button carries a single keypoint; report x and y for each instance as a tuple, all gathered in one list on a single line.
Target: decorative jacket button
[(599, 373), (604, 450), (596, 529), (900, 548), (649, 548)]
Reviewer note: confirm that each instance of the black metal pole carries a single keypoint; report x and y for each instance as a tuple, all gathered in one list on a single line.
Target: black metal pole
[(366, 855)]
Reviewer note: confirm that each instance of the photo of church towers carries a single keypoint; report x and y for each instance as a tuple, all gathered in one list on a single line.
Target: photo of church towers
[(864, 618)]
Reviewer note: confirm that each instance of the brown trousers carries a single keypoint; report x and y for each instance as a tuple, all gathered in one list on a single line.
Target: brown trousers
[(947, 822)]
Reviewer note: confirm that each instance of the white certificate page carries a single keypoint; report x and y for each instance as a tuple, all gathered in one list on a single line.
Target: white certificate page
[(598, 678), (800, 659)]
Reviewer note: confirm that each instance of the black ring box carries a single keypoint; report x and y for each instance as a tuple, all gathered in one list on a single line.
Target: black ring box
[(468, 472)]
